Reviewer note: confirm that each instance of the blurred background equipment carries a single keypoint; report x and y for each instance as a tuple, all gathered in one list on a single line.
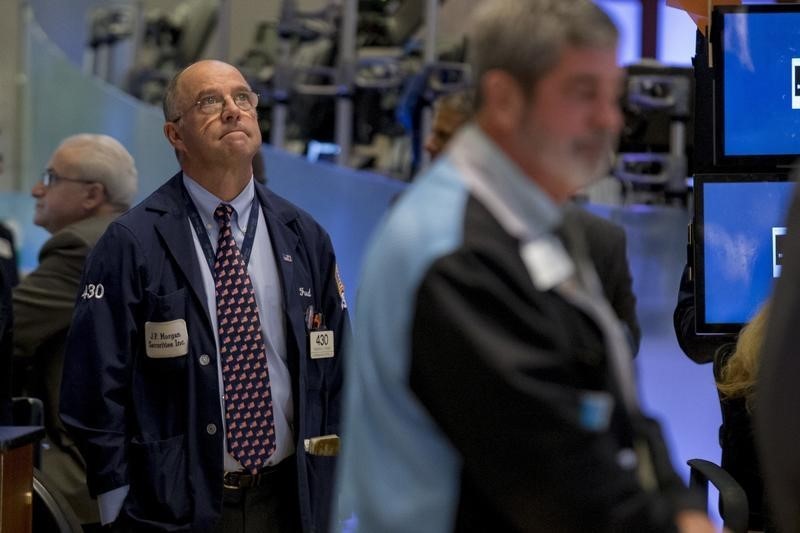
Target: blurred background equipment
[(353, 81), (170, 41), (110, 26), (656, 142), (350, 80)]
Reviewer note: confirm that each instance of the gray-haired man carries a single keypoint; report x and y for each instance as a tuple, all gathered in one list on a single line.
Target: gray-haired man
[(490, 386), (90, 180)]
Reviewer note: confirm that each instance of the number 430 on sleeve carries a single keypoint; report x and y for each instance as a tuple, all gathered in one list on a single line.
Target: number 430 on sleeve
[(91, 290)]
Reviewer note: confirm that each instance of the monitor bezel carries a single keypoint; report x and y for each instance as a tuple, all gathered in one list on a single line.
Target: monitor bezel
[(740, 163), (702, 326)]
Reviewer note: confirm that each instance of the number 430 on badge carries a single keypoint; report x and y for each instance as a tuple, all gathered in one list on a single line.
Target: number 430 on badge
[(321, 344)]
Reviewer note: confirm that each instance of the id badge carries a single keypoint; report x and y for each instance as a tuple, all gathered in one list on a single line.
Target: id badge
[(320, 344), (166, 339)]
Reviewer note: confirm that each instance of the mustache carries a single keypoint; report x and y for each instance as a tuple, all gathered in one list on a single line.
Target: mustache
[(600, 140)]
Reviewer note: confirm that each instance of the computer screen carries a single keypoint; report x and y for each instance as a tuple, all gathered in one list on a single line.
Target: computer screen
[(757, 85), (738, 235)]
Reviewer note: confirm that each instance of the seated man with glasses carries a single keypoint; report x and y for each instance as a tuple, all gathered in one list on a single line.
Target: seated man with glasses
[(90, 180), (204, 386)]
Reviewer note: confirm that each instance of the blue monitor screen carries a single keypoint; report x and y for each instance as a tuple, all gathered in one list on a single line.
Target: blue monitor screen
[(741, 230), (761, 78)]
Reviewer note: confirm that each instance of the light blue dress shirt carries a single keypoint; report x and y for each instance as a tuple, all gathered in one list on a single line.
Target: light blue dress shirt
[(263, 273)]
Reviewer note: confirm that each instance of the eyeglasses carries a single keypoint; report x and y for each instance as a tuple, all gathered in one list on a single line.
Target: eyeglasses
[(215, 103), (49, 178)]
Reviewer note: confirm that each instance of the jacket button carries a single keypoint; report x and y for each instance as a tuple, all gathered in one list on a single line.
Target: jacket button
[(211, 429), (205, 359)]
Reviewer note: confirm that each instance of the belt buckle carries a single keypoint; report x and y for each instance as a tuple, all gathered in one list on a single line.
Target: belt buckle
[(227, 482)]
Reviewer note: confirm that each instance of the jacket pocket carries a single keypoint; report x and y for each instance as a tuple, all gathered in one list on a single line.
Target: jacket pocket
[(159, 481), (164, 307)]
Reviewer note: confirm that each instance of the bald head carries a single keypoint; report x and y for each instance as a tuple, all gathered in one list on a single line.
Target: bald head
[(212, 123), (172, 95)]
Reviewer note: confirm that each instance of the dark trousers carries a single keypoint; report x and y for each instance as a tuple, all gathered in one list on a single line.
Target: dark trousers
[(271, 507)]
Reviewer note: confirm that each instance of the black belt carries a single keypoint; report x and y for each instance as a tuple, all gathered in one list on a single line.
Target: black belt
[(245, 480)]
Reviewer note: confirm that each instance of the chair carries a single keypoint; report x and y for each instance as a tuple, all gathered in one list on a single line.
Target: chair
[(733, 507), (27, 411), (51, 512)]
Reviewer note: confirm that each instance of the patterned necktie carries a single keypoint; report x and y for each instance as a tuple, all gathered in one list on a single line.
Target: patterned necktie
[(248, 400)]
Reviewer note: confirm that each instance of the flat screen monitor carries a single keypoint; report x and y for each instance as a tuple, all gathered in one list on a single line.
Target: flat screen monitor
[(738, 235), (756, 51)]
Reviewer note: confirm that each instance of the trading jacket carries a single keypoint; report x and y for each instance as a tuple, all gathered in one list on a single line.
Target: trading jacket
[(485, 389), (155, 424)]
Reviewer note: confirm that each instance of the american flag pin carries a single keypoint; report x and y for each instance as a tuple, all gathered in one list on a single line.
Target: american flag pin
[(287, 258)]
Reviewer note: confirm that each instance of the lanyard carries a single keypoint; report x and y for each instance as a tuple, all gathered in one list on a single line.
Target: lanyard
[(202, 234), (587, 295)]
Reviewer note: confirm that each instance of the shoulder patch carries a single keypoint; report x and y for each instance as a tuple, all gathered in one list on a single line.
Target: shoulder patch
[(340, 287)]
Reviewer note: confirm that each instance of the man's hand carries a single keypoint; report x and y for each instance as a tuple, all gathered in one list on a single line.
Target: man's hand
[(694, 522)]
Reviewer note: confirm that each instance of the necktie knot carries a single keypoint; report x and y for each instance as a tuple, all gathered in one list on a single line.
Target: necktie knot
[(223, 214)]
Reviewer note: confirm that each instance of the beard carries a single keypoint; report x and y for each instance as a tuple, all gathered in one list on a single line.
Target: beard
[(577, 165), (562, 162), (592, 160)]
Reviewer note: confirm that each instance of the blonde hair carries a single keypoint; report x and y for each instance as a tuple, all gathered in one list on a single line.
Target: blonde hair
[(460, 102), (739, 375)]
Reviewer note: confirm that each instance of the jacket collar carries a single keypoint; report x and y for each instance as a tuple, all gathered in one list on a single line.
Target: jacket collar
[(169, 199), (176, 231)]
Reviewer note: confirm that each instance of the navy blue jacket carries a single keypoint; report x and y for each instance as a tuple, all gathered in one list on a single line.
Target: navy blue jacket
[(155, 424)]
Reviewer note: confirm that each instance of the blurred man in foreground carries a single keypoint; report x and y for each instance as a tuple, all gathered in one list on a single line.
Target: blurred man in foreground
[(490, 385)]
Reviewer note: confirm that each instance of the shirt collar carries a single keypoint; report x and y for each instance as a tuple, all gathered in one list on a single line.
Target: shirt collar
[(207, 203), (519, 204)]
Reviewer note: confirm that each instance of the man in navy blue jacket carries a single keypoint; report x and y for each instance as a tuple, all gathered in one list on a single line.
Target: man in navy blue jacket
[(145, 387)]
